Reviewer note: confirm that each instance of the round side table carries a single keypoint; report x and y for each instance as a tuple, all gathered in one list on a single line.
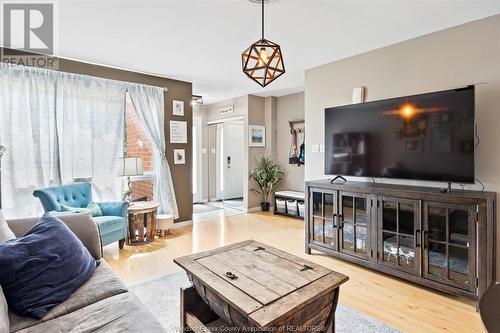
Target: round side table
[(141, 222)]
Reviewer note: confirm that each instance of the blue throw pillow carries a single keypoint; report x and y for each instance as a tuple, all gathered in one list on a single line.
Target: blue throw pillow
[(43, 268)]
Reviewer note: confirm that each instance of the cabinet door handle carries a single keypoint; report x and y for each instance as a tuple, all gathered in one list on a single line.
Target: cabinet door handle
[(417, 235)]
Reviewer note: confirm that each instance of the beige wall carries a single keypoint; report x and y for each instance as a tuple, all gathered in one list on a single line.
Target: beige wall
[(290, 107), (463, 55), (256, 116)]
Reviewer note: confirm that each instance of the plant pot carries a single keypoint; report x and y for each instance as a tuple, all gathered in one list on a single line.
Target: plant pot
[(264, 206)]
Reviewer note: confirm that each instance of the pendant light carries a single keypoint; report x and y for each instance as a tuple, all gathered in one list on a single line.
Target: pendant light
[(263, 61)]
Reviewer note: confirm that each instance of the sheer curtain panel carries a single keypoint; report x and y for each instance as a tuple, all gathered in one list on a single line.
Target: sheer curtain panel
[(28, 131), (90, 127), (149, 104)]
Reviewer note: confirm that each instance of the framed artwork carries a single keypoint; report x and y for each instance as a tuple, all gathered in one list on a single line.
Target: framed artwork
[(179, 156), (256, 136), (178, 131), (178, 108)]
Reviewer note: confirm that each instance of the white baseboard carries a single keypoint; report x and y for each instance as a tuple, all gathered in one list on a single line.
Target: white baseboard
[(254, 209), (182, 224)]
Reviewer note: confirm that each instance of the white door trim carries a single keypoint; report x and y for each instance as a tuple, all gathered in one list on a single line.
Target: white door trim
[(198, 159)]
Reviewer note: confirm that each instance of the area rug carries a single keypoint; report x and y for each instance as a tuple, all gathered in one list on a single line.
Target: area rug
[(161, 297)]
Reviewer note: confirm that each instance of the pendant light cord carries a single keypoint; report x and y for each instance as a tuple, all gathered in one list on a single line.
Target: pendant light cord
[(262, 19)]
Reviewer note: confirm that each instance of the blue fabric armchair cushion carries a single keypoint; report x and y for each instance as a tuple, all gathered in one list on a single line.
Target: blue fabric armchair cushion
[(118, 208), (112, 223)]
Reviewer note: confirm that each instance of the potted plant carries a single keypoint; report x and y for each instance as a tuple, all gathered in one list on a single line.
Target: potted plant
[(267, 175)]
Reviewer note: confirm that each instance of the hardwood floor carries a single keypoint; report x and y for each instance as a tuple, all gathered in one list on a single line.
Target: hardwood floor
[(398, 303)]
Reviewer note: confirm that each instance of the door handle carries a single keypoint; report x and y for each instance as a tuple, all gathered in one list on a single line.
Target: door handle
[(417, 235)]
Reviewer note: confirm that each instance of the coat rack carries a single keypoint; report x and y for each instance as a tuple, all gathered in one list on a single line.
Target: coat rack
[(294, 130), (296, 155)]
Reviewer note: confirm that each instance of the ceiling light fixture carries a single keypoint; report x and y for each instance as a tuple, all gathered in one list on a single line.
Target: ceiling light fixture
[(263, 60), (197, 100)]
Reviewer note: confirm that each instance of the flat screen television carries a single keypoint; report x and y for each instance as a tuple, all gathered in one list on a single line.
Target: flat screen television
[(422, 137)]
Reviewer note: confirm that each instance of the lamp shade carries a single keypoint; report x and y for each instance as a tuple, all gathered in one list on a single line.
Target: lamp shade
[(130, 166)]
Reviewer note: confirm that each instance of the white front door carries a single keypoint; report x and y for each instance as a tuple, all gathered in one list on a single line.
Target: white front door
[(234, 157)]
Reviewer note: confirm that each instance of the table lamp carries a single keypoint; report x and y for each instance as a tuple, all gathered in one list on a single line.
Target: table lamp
[(130, 166)]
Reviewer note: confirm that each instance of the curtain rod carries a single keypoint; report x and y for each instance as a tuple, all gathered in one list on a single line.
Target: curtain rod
[(3, 64)]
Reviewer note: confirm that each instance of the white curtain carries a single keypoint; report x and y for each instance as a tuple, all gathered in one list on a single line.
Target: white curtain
[(27, 130), (90, 127), (60, 127), (150, 107)]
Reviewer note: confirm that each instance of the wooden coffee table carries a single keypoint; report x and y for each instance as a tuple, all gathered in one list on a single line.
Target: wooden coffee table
[(255, 287), (141, 222)]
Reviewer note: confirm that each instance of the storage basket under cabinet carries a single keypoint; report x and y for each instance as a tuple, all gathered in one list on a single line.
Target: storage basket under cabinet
[(281, 205), (287, 203), (302, 209), (291, 207)]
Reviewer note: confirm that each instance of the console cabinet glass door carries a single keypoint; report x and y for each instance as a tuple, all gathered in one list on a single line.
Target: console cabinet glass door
[(354, 225), (323, 218), (399, 234), (449, 245)]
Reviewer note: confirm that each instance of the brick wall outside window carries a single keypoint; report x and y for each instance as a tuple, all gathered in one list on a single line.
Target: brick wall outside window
[(138, 145)]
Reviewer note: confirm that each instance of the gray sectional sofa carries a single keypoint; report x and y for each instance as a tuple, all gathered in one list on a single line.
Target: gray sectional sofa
[(102, 304)]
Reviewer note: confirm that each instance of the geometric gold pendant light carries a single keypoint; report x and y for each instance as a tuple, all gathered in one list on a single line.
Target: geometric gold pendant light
[(263, 60)]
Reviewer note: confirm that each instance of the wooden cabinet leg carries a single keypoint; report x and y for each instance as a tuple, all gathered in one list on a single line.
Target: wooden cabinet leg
[(121, 243)]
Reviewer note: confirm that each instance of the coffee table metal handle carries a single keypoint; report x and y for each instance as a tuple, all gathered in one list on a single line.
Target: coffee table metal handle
[(231, 276)]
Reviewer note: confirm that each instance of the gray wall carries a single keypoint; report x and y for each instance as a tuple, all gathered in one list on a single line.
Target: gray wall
[(459, 56), (290, 107)]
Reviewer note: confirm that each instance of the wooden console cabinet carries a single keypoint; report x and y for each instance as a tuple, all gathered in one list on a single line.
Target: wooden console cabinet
[(444, 241)]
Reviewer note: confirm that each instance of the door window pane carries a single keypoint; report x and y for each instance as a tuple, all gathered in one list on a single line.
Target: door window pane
[(459, 268), (437, 223), (329, 232), (317, 204), (459, 227), (348, 236), (361, 212), (361, 242), (318, 229), (347, 208), (390, 253), (406, 251), (437, 259), (406, 218), (389, 211), (328, 202)]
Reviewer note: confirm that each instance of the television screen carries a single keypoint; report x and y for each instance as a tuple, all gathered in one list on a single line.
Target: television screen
[(423, 137)]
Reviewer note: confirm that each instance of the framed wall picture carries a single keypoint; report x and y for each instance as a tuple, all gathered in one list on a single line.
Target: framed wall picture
[(178, 131), (179, 156), (256, 136), (178, 108)]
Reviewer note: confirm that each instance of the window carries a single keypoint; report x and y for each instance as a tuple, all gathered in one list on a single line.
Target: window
[(137, 145)]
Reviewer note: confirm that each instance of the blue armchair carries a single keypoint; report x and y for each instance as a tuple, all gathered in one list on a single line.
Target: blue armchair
[(113, 223)]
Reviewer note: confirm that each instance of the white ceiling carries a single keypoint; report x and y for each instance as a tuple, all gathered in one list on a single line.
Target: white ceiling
[(201, 40)]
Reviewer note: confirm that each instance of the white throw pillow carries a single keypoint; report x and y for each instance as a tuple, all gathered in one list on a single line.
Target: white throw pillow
[(5, 232), (4, 314)]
